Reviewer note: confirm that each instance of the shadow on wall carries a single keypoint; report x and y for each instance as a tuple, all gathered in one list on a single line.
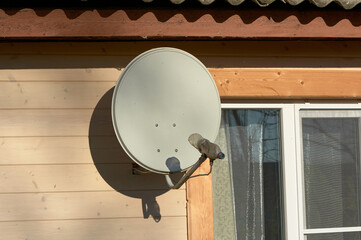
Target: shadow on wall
[(114, 165)]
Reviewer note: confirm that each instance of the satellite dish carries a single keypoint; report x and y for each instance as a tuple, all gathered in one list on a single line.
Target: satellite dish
[(162, 97)]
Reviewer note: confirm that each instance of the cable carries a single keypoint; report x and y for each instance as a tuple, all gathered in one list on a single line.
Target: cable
[(205, 174)]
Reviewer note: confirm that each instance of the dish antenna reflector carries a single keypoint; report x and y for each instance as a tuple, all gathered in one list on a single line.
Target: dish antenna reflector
[(162, 97)]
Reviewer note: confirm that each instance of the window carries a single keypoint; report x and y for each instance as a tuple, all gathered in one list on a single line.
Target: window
[(330, 143), (293, 172)]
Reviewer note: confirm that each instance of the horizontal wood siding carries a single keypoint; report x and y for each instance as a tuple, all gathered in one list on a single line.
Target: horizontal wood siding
[(83, 205), (94, 229), (129, 49), (63, 173), (60, 178), (59, 150), (233, 83)]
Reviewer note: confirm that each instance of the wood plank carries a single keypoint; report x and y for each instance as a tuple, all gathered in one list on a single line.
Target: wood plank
[(240, 83), (72, 177), (244, 48), (65, 74), (54, 94), (61, 150), (61, 122), (90, 62), (200, 205), (77, 76), (152, 23), (62, 61), (90, 205), (288, 83), (106, 229)]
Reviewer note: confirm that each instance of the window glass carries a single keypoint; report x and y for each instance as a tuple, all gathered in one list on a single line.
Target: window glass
[(331, 171), (254, 155)]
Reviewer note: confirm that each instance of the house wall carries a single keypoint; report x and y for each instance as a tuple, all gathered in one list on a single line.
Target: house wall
[(63, 173)]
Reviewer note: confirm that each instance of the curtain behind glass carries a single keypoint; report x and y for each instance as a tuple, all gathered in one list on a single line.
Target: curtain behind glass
[(331, 172), (223, 210), (253, 147)]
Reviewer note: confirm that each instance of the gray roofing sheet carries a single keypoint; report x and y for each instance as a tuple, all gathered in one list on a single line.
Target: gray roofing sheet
[(347, 4)]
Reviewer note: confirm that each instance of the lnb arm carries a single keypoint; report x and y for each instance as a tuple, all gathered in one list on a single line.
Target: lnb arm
[(206, 148)]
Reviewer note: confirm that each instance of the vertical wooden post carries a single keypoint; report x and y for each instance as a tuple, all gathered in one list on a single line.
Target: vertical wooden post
[(200, 205)]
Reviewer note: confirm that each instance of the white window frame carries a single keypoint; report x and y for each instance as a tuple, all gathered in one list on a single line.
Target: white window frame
[(302, 223), (293, 195)]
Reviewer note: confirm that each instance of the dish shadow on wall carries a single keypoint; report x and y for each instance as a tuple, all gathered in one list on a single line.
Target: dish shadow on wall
[(115, 166)]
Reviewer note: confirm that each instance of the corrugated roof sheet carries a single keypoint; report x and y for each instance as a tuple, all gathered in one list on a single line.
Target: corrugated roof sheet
[(347, 4)]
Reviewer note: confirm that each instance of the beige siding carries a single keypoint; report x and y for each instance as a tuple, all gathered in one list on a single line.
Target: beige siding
[(95, 229), (60, 150), (84, 205), (63, 173)]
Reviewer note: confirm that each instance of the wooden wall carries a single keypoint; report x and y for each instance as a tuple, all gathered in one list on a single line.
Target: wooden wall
[(63, 173)]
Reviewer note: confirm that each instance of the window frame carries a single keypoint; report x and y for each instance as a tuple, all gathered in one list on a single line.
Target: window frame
[(292, 166), (300, 180), (290, 220)]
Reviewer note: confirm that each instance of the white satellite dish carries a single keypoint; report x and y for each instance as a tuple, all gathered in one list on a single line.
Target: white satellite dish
[(162, 97)]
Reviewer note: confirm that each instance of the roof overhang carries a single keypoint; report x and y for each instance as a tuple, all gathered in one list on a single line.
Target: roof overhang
[(180, 23), (346, 4)]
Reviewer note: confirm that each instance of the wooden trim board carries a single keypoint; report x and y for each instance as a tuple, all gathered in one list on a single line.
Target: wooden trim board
[(200, 205), (288, 83), (178, 23), (200, 49)]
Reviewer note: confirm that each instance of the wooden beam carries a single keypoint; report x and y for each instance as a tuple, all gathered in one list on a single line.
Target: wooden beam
[(200, 205), (178, 23), (340, 50), (288, 83)]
